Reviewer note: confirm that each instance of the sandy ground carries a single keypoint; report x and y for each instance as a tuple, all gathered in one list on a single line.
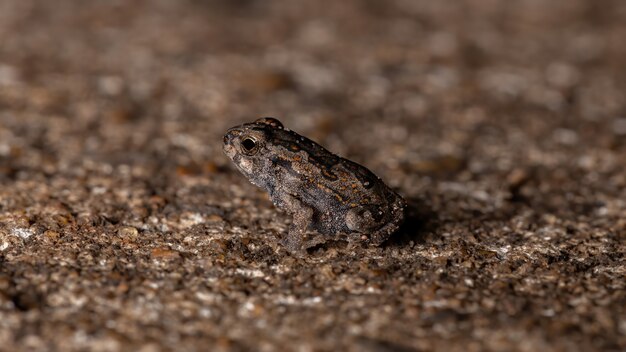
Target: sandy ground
[(124, 227)]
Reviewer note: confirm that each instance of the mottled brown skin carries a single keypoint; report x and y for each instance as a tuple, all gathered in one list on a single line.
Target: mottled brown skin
[(324, 192)]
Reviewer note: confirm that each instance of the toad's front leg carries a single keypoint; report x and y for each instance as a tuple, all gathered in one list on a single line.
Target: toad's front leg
[(302, 218)]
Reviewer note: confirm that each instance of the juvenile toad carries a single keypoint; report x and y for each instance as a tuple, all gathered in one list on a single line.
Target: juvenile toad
[(322, 191)]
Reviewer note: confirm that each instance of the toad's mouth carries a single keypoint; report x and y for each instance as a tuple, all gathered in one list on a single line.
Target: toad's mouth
[(244, 165)]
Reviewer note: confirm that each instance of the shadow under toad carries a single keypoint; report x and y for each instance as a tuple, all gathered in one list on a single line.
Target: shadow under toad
[(420, 220)]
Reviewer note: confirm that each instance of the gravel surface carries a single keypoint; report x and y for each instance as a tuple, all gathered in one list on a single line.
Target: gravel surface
[(124, 227)]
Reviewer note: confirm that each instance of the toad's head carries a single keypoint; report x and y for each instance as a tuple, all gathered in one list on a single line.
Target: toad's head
[(249, 147)]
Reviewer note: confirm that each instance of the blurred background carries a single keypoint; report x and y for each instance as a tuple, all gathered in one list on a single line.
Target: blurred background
[(123, 225), (388, 82)]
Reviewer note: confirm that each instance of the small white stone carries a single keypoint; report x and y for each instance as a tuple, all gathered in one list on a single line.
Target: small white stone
[(22, 233)]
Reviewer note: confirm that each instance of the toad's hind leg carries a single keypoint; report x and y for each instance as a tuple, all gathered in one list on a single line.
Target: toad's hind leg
[(369, 224), (363, 220)]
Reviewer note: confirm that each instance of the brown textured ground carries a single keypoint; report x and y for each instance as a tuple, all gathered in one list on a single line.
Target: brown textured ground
[(123, 226)]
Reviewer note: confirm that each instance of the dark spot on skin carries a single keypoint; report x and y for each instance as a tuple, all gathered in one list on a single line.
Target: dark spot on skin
[(365, 177), (284, 163)]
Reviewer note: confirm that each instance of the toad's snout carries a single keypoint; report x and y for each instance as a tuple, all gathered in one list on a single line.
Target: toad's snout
[(229, 143), (229, 137)]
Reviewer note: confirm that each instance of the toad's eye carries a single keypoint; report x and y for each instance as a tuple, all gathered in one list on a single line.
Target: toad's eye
[(249, 145)]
